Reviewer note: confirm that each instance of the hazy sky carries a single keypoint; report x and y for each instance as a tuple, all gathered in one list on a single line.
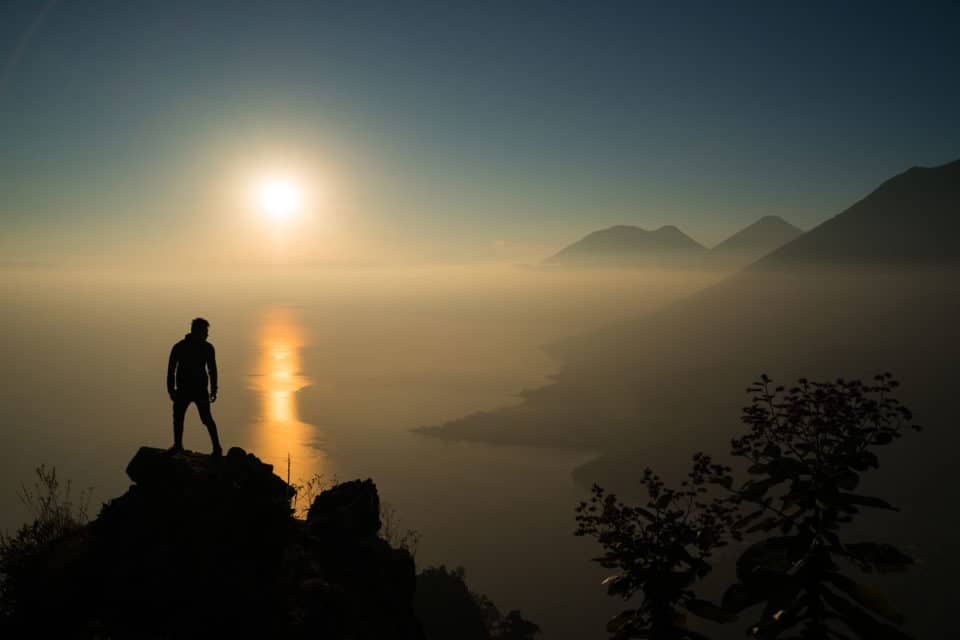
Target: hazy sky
[(136, 128)]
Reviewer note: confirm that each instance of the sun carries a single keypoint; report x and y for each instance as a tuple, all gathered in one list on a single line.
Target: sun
[(279, 197)]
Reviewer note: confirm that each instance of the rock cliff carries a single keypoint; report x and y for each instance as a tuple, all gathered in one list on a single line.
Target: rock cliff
[(208, 547)]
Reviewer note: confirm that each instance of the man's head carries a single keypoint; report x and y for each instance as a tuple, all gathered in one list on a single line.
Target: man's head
[(199, 328)]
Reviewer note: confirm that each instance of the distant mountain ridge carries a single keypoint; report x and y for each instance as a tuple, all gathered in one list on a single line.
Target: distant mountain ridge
[(911, 219), (626, 245), (668, 246), (755, 241)]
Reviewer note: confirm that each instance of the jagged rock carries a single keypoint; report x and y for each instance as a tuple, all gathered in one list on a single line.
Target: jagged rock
[(188, 478), (350, 510), (208, 547)]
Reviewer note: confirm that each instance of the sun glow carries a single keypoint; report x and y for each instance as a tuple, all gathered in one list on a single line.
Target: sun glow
[(279, 198)]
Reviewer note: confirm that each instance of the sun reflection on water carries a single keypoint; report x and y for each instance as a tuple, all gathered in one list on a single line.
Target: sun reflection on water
[(279, 432)]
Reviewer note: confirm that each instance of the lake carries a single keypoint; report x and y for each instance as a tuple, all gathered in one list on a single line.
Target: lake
[(327, 371)]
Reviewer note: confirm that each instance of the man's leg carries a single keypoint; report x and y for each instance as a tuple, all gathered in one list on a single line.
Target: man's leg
[(180, 405), (203, 408)]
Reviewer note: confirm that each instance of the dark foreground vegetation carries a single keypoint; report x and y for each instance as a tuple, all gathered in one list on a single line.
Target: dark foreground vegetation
[(448, 609), (803, 453), (206, 547)]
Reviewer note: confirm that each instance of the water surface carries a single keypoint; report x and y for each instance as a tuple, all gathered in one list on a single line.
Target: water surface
[(327, 372)]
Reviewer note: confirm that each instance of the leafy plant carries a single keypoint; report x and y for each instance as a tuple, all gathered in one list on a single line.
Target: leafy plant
[(55, 516), (661, 549), (392, 531), (806, 450)]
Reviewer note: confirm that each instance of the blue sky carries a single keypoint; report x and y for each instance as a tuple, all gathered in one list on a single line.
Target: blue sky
[(461, 124)]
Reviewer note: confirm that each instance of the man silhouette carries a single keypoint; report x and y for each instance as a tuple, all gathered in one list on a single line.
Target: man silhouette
[(190, 360)]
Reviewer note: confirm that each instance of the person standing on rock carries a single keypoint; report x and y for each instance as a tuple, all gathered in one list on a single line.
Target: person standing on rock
[(190, 360)]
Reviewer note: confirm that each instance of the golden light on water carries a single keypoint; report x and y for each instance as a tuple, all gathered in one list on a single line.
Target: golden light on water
[(278, 378)]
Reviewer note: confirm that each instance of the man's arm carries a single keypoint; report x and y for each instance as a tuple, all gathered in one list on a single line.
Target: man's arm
[(171, 371), (212, 368)]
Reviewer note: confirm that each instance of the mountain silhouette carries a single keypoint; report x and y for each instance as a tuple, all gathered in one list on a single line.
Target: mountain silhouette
[(753, 242), (668, 246), (911, 219), (629, 245), (822, 287), (875, 288)]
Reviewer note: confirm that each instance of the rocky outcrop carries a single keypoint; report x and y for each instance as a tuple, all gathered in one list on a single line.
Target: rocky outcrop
[(347, 511), (208, 547)]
